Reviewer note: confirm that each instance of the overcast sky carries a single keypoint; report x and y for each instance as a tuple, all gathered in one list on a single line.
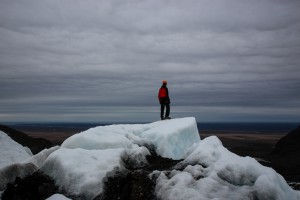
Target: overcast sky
[(104, 60)]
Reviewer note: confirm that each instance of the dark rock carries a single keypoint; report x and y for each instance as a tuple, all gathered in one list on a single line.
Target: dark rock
[(35, 187), (34, 144), (294, 185), (10, 173), (115, 186), (289, 143), (135, 184), (285, 157), (128, 185)]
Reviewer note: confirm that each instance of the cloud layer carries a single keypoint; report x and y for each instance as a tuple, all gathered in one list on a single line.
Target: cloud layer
[(104, 60)]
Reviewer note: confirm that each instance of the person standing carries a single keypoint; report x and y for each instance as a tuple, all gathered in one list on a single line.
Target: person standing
[(164, 100)]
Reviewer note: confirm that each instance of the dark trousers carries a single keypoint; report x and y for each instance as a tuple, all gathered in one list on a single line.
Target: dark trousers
[(162, 109)]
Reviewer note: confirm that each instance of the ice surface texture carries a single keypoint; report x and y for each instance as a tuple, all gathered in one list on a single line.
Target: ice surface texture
[(84, 159), (11, 151), (58, 197), (208, 170), (18, 161), (171, 138)]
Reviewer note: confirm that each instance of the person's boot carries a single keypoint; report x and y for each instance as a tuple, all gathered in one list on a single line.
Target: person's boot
[(162, 118), (168, 117)]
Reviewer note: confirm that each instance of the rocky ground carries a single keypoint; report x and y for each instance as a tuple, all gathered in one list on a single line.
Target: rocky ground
[(136, 184), (35, 187), (285, 157)]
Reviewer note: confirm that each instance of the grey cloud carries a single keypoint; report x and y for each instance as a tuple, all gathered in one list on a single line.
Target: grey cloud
[(84, 58), (148, 16)]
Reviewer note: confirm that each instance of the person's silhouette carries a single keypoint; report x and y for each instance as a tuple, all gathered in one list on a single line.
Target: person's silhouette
[(164, 100)]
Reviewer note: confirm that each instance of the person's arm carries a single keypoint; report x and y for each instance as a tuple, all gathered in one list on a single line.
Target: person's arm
[(159, 96), (167, 91)]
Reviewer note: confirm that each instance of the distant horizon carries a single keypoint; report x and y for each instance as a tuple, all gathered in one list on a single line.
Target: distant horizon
[(147, 114), (221, 127), (140, 122)]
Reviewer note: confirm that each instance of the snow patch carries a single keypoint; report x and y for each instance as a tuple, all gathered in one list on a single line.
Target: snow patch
[(18, 161), (39, 159), (80, 171), (208, 171), (171, 138), (99, 138), (9, 173), (84, 159), (214, 172), (135, 158), (11, 151), (58, 197)]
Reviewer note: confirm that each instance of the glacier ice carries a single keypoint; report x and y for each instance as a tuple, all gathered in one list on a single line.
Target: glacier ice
[(207, 170), (18, 161), (80, 171), (210, 171), (11, 151), (171, 138), (84, 159), (58, 197)]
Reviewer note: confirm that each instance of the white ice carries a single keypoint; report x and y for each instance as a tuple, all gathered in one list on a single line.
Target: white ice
[(11, 151), (58, 197), (208, 170), (171, 138), (18, 161), (84, 159), (80, 171)]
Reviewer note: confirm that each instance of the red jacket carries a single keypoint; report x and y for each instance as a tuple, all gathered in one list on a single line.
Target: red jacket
[(162, 93)]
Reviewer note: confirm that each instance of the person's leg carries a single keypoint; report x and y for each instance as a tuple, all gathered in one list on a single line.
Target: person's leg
[(162, 110), (167, 110)]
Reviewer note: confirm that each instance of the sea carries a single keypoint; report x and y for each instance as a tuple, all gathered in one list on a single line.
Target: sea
[(219, 127)]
